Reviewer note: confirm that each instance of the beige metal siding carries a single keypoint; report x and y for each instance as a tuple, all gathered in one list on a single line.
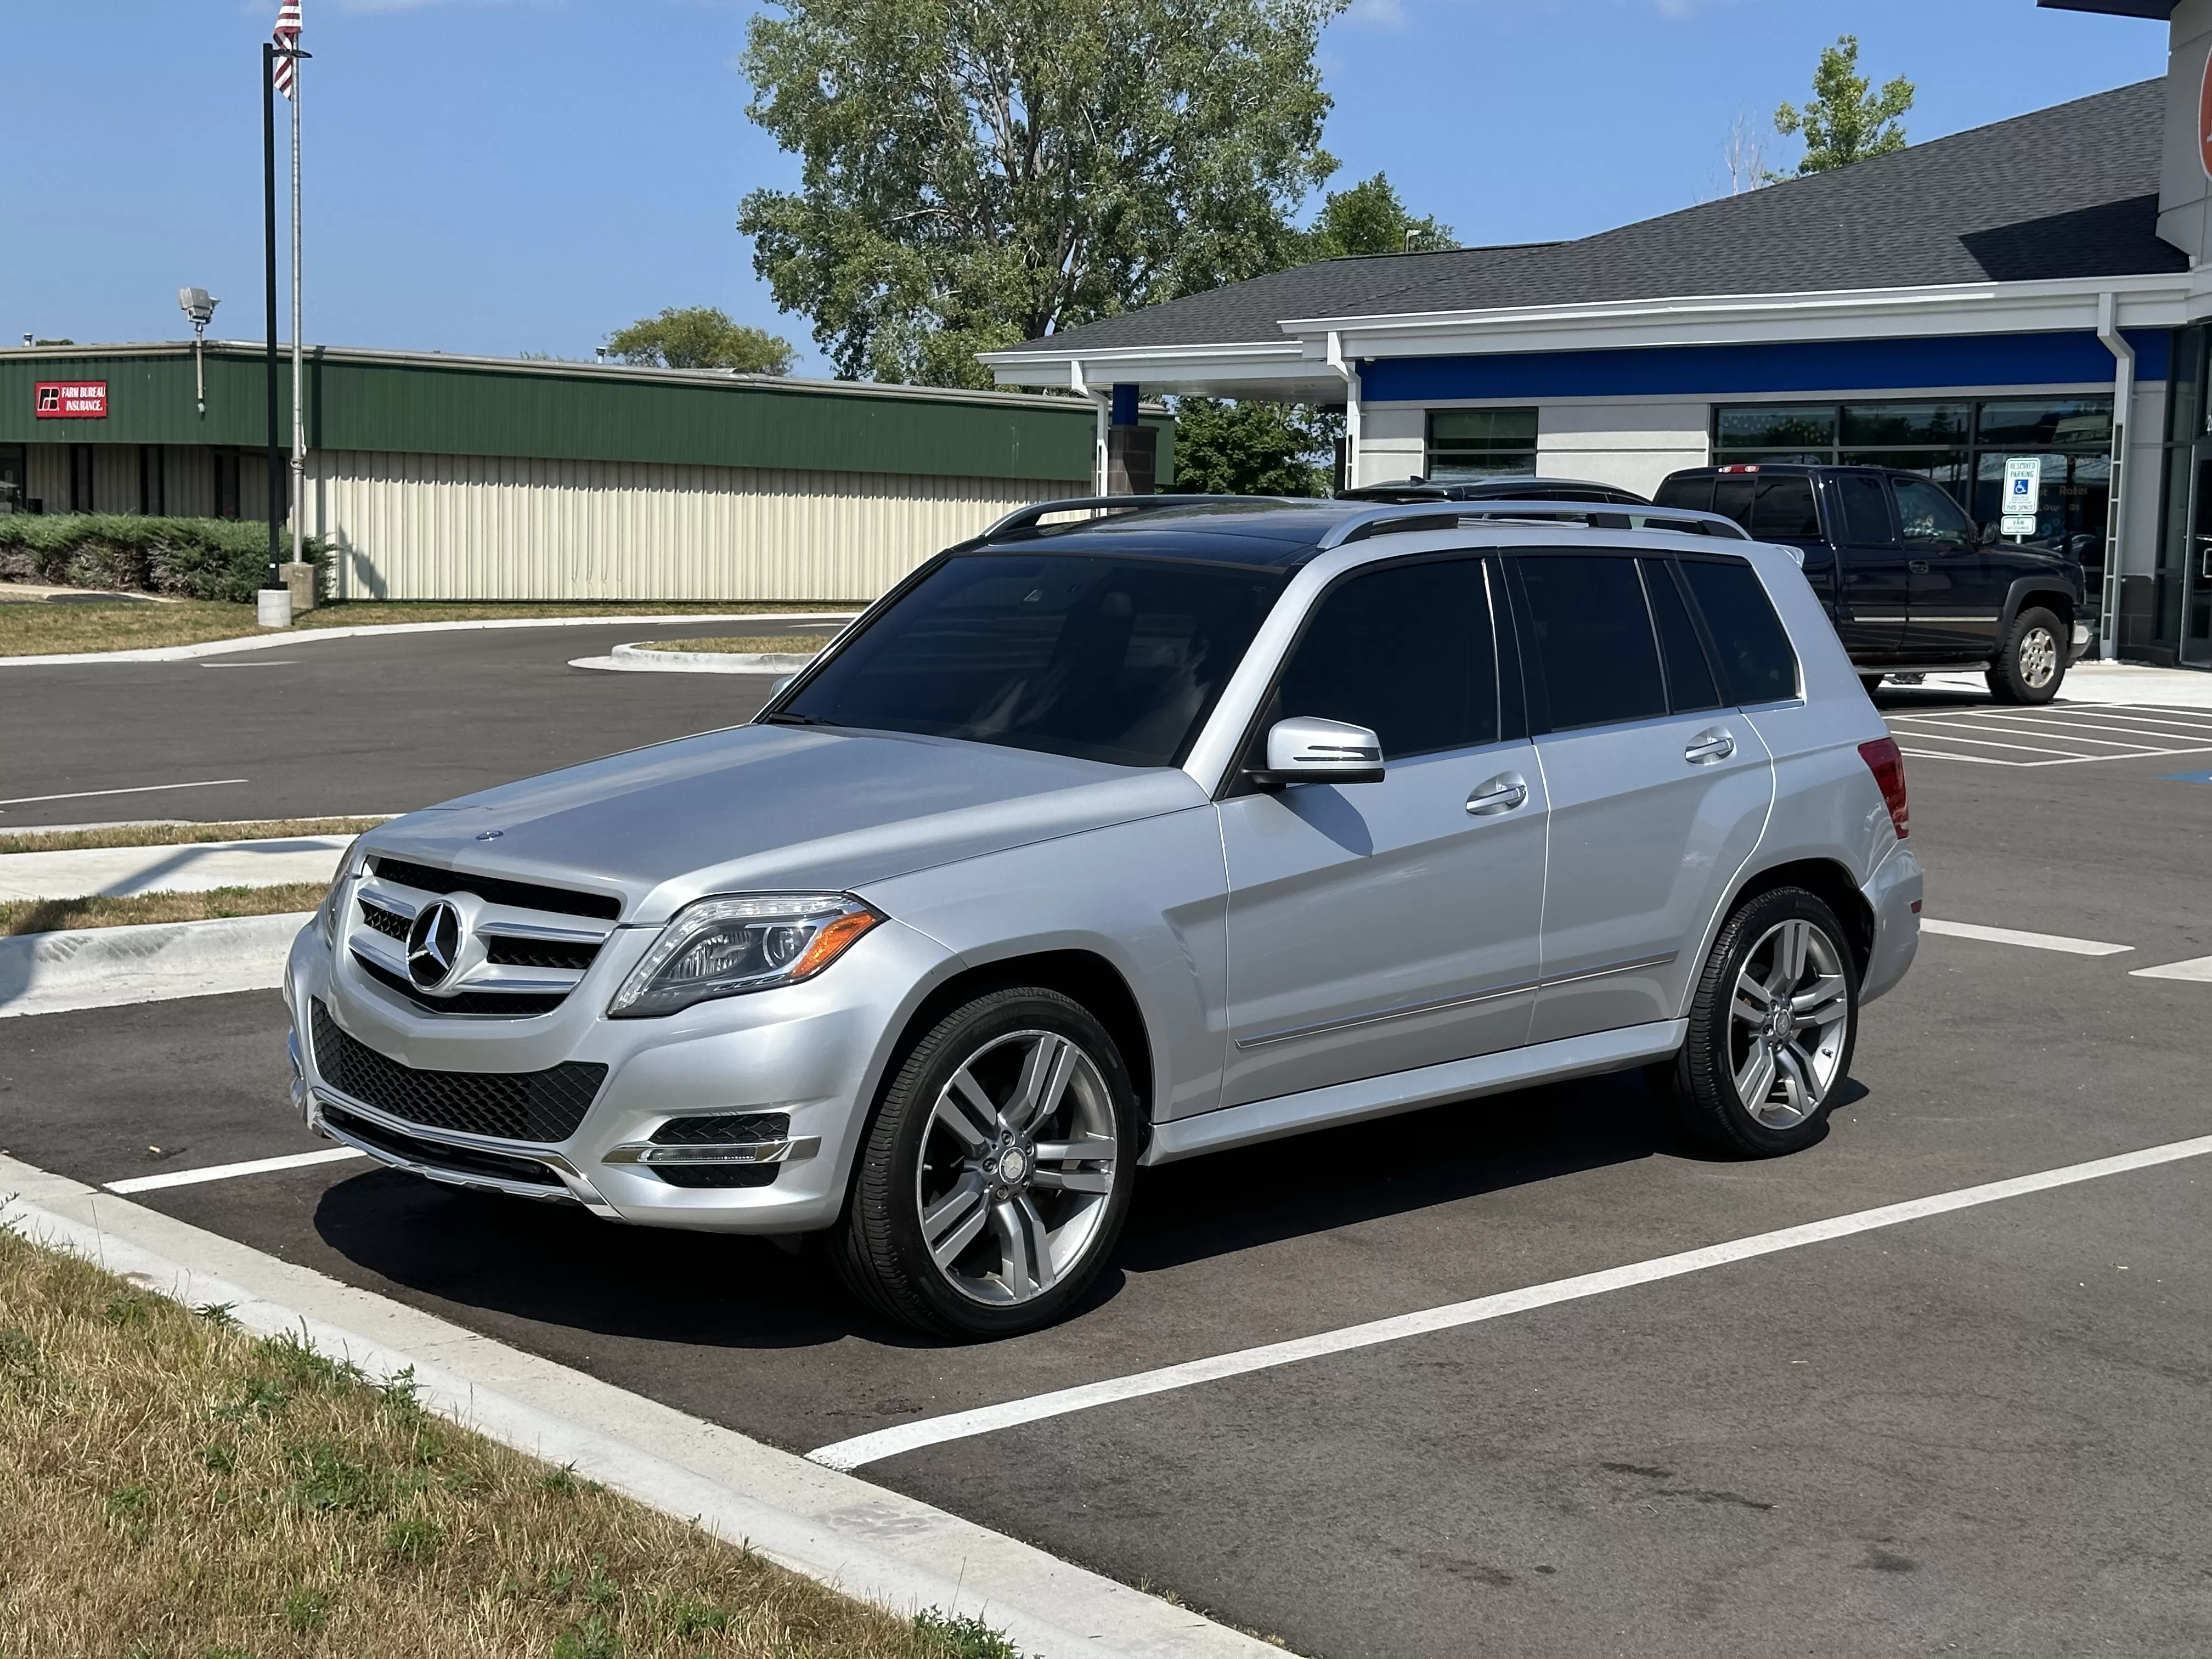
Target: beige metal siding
[(47, 475), (441, 528)]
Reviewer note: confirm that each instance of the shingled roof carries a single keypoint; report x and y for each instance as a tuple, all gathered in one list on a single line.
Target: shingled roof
[(2069, 191)]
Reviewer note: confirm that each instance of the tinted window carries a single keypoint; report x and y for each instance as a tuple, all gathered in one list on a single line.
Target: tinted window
[(1866, 510), (1926, 513), (1693, 491), (1594, 655), (1110, 659), (1784, 510), (1754, 649), (1689, 676), (1732, 495), (1406, 652)]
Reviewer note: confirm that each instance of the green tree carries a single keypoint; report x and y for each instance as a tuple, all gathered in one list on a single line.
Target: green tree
[(977, 172), (1369, 218), (1249, 448), (1844, 120), (701, 337)]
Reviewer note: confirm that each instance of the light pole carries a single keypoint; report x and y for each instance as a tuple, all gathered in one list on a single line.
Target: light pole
[(199, 305)]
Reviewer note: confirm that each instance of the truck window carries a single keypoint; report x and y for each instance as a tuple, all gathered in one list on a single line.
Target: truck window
[(1784, 511), (1693, 491)]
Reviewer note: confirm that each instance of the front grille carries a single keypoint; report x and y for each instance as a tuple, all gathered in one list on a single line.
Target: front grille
[(515, 1005), (723, 1129), (463, 1160), (508, 951), (540, 1106), (497, 890), (390, 923)]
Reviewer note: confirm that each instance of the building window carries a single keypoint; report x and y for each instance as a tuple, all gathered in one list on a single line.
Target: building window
[(226, 482), (81, 478), (1480, 443), (153, 497), (1958, 443)]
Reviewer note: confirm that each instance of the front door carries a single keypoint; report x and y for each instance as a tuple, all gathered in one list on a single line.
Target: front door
[(1659, 786), (1957, 588), (2197, 575), (1872, 586), (1376, 927)]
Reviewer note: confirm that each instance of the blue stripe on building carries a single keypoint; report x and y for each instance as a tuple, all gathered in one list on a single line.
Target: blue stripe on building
[(1941, 361)]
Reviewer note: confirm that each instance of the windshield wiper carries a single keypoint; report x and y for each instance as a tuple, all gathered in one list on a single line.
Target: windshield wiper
[(785, 717)]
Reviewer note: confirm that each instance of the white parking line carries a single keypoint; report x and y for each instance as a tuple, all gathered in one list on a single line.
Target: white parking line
[(139, 789), (154, 1183), (2196, 967), (2079, 947), (960, 1425)]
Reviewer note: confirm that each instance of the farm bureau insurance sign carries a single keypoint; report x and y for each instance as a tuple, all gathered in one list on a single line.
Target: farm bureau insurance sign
[(71, 400)]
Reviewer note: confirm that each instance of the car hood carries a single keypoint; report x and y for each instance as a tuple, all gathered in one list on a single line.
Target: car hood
[(773, 807)]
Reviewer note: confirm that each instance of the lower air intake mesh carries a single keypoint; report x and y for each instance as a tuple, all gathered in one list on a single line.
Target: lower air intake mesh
[(539, 1106)]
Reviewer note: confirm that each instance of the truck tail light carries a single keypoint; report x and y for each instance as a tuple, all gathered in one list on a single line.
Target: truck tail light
[(1888, 769)]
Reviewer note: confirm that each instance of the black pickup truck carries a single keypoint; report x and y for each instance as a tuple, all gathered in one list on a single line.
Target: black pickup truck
[(1913, 586)]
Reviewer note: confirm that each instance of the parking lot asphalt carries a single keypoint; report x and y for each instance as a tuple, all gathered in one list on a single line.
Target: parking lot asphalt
[(1974, 1432), (367, 724), (1980, 1431)]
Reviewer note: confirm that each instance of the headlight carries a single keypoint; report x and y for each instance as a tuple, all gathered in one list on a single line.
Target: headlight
[(723, 947), (333, 904)]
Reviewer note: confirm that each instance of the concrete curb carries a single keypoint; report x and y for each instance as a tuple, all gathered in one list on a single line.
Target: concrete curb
[(292, 636), (109, 967), (178, 867), (637, 659), (840, 1531)]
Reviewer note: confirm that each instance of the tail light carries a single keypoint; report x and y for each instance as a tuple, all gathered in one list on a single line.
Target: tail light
[(1888, 769)]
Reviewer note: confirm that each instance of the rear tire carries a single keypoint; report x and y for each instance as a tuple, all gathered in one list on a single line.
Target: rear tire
[(995, 1176), (1771, 1028), (2030, 660)]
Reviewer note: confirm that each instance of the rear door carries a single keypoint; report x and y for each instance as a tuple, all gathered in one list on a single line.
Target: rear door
[(1375, 927), (1956, 587), (1658, 787), (1873, 590)]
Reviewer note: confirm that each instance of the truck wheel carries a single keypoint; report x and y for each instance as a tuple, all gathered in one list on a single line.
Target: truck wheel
[(1771, 1028), (996, 1175), (2030, 660)]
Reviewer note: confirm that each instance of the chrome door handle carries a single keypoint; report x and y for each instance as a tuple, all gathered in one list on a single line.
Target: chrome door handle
[(1499, 794), (1709, 746)]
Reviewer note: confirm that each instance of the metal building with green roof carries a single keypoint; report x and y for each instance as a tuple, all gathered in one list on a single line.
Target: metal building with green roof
[(440, 476)]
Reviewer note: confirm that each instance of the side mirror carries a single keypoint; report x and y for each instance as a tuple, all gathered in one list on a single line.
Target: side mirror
[(1308, 750)]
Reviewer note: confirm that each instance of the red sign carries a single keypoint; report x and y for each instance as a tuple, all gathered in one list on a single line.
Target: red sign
[(72, 400)]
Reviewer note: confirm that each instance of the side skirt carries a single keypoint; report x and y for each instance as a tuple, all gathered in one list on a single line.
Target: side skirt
[(1406, 1092)]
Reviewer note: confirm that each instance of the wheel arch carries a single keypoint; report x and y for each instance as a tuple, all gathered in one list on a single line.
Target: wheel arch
[(1828, 880), (2034, 592)]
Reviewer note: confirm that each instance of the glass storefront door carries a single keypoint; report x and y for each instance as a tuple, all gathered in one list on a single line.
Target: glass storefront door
[(2196, 568)]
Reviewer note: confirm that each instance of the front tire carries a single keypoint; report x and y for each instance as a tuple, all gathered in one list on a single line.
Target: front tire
[(996, 1174), (1771, 1028), (2030, 660)]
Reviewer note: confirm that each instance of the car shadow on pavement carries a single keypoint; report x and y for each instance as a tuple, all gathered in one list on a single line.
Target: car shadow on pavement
[(552, 1265)]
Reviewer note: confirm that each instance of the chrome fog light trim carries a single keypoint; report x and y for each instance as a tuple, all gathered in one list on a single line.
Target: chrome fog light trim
[(734, 1151)]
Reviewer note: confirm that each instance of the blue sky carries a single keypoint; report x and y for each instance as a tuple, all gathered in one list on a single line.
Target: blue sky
[(501, 175)]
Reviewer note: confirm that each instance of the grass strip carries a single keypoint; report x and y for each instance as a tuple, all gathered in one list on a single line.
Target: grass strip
[(174, 1488), (757, 644), (56, 916), (179, 835), (42, 629)]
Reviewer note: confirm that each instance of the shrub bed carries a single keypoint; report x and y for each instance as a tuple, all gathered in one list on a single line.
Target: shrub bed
[(192, 558)]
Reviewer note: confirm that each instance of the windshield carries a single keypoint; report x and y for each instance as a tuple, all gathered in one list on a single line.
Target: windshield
[(1109, 659)]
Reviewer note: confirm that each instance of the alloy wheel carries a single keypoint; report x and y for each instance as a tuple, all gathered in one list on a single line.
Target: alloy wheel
[(2039, 657), (1017, 1163), (1788, 1020)]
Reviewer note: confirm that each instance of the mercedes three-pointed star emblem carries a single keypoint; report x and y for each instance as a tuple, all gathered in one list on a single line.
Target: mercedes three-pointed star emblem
[(434, 944)]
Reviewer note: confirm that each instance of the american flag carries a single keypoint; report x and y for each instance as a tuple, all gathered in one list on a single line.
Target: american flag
[(287, 35)]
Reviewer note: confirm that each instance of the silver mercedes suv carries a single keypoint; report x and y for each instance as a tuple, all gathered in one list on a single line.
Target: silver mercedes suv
[(1132, 830)]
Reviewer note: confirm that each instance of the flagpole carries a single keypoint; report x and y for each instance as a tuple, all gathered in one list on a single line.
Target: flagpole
[(299, 425), (275, 580)]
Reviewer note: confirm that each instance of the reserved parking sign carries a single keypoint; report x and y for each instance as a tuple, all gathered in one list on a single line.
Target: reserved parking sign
[(2023, 492)]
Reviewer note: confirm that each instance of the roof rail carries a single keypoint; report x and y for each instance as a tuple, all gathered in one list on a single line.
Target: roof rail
[(1024, 518), (1408, 516)]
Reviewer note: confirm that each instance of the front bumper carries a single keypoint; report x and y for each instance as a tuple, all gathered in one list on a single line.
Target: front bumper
[(811, 1053), (2078, 647)]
